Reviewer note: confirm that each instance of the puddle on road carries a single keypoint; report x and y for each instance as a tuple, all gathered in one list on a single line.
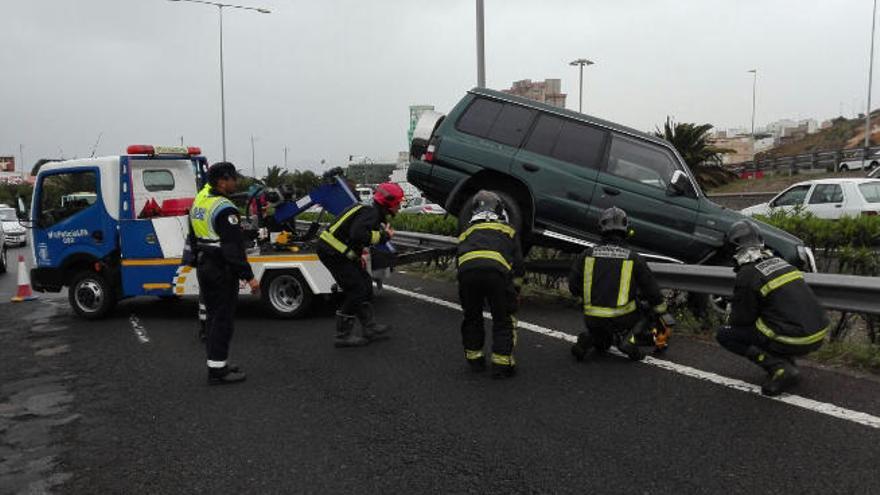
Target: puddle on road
[(33, 407)]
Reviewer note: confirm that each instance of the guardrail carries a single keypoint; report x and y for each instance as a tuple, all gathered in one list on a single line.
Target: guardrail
[(816, 162), (840, 292)]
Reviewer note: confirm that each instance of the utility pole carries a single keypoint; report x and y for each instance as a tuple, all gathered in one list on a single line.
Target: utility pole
[(754, 97), (21, 157), (581, 62), (285, 158), (253, 157), (481, 47), (870, 81)]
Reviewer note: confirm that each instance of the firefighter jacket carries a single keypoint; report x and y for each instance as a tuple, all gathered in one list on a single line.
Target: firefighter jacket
[(216, 232), (772, 296), (358, 227), (608, 276), (493, 246)]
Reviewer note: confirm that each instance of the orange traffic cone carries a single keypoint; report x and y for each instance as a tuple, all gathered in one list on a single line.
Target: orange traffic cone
[(24, 283)]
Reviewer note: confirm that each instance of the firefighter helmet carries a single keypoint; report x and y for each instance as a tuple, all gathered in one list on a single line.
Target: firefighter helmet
[(613, 220), (389, 196)]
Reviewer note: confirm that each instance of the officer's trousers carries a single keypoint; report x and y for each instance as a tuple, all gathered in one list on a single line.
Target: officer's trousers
[(476, 287), (738, 339), (219, 290), (607, 331), (355, 282)]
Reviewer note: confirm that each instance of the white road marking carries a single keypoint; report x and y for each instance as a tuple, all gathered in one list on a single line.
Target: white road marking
[(791, 399), (139, 329)]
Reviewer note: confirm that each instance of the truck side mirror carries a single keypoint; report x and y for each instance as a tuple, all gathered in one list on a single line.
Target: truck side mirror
[(21, 212)]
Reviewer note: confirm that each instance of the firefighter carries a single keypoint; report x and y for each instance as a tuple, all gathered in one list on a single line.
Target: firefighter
[(219, 248), (774, 315), (341, 250), (608, 277), (490, 269)]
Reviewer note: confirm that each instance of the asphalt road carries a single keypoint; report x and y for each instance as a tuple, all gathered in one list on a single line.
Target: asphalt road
[(90, 407)]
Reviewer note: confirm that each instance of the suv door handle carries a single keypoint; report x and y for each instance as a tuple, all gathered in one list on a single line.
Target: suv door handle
[(611, 191), (530, 167)]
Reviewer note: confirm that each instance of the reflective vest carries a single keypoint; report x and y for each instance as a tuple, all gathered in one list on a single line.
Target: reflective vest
[(487, 241), (330, 238), (608, 286), (205, 208)]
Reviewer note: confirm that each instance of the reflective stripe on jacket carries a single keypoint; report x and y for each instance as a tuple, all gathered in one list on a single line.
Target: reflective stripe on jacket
[(490, 245), (205, 208), (330, 238)]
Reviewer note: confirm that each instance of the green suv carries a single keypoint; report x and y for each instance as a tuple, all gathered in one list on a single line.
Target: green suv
[(557, 170)]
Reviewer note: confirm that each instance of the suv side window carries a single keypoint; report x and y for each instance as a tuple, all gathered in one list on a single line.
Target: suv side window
[(501, 122), (567, 140), (794, 196), (649, 165), (826, 193)]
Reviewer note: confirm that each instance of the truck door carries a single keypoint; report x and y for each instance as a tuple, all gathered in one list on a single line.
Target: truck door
[(70, 217), (560, 162)]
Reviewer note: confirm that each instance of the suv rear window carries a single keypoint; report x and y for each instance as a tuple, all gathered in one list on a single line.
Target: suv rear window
[(502, 122), (870, 191)]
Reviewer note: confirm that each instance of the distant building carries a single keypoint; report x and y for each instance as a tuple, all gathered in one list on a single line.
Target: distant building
[(743, 148), (7, 164), (549, 91), (369, 173), (415, 112)]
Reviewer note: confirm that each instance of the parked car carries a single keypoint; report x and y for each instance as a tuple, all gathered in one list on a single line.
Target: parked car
[(826, 198), (365, 194), (557, 170), (869, 163), (16, 234), (420, 205)]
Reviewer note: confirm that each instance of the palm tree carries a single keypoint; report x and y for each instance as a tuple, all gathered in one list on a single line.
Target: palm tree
[(275, 176), (701, 156)]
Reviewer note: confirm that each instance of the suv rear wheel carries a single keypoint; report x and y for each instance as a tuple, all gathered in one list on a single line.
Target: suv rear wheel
[(514, 212)]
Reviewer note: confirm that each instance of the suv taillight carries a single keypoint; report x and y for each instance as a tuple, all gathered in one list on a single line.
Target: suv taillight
[(429, 153)]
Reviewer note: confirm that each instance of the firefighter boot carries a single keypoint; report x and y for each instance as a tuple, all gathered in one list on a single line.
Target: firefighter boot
[(503, 366), (225, 375), (782, 374), (476, 360), (629, 346), (345, 337), (583, 346), (372, 331)]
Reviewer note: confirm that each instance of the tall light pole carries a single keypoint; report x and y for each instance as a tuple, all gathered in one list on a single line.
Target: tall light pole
[(481, 48), (581, 62), (21, 157), (285, 158), (754, 73), (253, 157), (220, 7), (870, 81)]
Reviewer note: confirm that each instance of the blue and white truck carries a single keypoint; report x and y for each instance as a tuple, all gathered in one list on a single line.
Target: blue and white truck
[(115, 227)]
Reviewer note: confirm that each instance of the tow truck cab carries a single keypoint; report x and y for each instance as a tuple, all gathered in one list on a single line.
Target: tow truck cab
[(99, 222)]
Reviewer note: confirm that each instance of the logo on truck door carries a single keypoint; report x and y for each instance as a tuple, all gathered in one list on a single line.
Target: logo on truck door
[(67, 236)]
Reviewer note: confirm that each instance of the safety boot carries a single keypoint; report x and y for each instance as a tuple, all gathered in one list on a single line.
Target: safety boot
[(475, 360), (629, 346), (503, 366), (345, 336), (584, 345), (372, 331), (225, 375), (782, 373)]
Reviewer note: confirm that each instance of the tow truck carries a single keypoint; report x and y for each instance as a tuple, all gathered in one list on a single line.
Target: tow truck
[(115, 227)]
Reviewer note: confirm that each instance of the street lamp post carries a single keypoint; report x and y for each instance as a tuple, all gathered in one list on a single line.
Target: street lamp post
[(754, 73), (481, 47), (220, 7), (253, 157), (581, 62), (870, 81)]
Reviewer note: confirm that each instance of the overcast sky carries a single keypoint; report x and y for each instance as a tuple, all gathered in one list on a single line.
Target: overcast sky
[(333, 78)]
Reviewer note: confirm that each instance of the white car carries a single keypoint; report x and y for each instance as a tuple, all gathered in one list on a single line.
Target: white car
[(16, 235), (420, 205), (869, 163), (826, 198)]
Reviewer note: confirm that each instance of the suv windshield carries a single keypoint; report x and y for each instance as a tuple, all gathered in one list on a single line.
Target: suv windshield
[(7, 215)]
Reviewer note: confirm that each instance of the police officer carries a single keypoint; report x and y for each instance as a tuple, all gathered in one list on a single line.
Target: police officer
[(341, 249), (608, 277), (774, 316), (221, 260), (490, 269)]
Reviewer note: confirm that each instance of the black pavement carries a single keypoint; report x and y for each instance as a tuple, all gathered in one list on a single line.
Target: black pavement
[(403, 415)]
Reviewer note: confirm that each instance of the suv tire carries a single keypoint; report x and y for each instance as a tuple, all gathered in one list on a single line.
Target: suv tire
[(514, 213), (91, 295)]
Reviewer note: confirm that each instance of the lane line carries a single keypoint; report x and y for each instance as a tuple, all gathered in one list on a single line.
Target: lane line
[(139, 329), (825, 408)]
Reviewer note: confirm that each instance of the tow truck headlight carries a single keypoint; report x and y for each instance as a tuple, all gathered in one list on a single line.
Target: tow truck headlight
[(806, 256)]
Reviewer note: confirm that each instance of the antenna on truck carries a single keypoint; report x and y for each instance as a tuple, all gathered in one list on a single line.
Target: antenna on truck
[(95, 147)]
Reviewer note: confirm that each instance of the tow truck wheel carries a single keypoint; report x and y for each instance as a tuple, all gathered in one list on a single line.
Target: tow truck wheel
[(90, 295), (286, 294)]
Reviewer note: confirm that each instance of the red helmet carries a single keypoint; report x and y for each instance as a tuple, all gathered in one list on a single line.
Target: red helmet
[(388, 195)]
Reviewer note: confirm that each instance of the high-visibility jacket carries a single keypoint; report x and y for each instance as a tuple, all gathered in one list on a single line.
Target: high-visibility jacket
[(609, 276), (356, 228), (772, 296), (490, 245), (216, 232)]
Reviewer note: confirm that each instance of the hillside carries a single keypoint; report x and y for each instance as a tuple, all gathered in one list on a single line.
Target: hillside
[(844, 133)]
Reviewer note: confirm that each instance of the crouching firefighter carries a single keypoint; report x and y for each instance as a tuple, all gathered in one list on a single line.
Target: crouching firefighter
[(490, 269), (608, 277), (774, 315), (218, 246), (341, 249)]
